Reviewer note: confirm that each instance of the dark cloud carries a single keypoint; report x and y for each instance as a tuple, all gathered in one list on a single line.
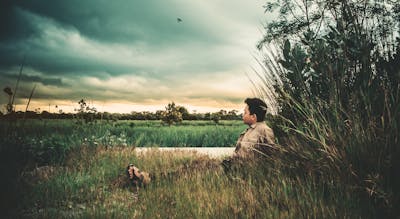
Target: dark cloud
[(137, 24), (120, 21), (128, 50), (13, 26), (30, 78)]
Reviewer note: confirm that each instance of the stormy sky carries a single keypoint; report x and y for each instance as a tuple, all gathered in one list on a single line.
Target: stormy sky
[(129, 55)]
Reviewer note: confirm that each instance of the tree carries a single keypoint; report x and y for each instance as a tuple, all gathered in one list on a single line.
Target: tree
[(332, 51), (232, 115), (184, 112), (85, 113), (171, 114), (216, 117)]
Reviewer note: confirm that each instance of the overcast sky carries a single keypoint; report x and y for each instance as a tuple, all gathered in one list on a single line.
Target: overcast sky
[(130, 55)]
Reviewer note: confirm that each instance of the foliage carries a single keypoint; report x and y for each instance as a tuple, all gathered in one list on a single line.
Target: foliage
[(184, 112), (85, 113), (145, 115), (172, 114), (49, 150), (9, 106), (216, 117), (337, 90)]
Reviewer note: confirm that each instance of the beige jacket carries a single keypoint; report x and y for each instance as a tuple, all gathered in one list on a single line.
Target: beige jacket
[(257, 135)]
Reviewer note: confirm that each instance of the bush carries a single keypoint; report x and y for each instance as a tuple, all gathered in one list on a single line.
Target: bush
[(336, 88), (171, 114)]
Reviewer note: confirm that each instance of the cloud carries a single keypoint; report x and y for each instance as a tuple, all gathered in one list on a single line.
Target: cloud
[(33, 78), (132, 51)]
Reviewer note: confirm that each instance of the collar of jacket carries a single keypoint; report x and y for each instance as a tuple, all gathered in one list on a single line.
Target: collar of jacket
[(254, 125)]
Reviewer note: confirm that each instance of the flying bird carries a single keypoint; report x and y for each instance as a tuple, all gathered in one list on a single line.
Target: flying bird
[(178, 20)]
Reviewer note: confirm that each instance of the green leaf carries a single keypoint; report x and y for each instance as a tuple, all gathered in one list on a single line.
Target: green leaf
[(286, 49)]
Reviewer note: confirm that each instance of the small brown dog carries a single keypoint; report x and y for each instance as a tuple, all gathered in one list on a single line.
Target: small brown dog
[(136, 177)]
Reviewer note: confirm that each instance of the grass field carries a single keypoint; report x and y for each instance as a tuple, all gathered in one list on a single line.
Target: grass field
[(138, 133), (51, 140), (185, 186), (59, 169)]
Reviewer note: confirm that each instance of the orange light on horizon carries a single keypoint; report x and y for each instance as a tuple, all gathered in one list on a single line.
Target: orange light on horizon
[(63, 107)]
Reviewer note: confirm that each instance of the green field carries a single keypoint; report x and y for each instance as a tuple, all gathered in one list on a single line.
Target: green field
[(51, 140), (61, 169)]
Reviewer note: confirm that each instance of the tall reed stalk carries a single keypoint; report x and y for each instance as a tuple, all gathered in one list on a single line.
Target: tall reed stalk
[(329, 141)]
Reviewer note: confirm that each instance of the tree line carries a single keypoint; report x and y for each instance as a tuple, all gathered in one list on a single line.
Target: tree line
[(172, 114)]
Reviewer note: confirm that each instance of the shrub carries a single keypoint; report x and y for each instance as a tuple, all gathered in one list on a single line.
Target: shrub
[(336, 90)]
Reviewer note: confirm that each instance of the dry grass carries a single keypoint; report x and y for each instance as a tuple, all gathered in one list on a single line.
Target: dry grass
[(184, 185)]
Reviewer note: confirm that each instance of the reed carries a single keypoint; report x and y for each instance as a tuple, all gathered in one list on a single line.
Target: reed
[(349, 138)]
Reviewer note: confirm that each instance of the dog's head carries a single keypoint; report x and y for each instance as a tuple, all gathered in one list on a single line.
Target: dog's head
[(137, 177)]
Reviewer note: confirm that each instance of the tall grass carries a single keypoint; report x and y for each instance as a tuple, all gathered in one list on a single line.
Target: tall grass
[(26, 144), (336, 87), (353, 142), (185, 186)]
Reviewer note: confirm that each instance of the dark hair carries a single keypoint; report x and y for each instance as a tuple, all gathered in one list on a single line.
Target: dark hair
[(258, 107)]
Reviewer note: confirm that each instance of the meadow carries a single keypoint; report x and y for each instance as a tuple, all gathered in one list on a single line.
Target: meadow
[(198, 188), (49, 141), (60, 169)]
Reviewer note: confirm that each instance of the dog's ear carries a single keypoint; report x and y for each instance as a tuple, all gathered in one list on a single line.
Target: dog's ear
[(136, 172), (127, 171)]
